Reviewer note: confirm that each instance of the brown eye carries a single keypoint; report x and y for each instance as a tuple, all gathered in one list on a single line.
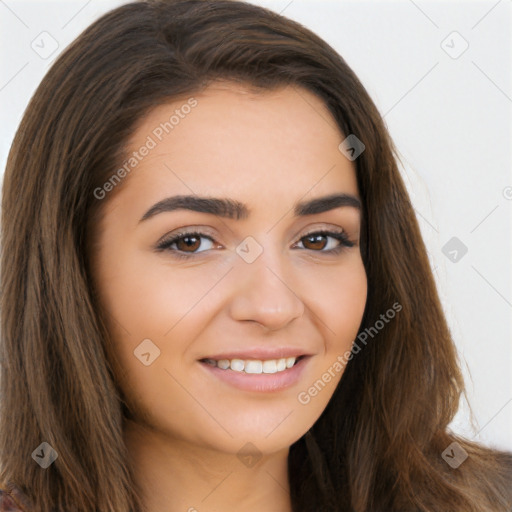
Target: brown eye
[(315, 241), (188, 242), (319, 240)]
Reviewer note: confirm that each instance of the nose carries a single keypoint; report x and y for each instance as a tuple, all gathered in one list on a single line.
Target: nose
[(264, 293)]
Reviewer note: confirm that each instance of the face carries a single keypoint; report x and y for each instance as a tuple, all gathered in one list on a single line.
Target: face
[(281, 276)]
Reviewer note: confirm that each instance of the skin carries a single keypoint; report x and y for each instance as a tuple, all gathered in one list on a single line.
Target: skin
[(267, 150)]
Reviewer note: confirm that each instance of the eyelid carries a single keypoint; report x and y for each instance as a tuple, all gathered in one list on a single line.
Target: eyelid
[(205, 230), (338, 233), (185, 231)]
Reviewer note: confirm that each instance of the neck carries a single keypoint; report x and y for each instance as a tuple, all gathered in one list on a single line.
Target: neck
[(176, 476)]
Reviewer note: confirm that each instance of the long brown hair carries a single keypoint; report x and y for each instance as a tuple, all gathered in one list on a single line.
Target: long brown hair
[(378, 445)]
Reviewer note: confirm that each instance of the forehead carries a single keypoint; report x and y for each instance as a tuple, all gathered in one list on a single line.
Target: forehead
[(229, 140)]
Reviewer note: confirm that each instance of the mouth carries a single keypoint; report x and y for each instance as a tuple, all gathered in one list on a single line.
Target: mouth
[(258, 375), (254, 366)]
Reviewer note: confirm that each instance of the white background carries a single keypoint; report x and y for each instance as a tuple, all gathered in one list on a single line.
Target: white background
[(449, 117)]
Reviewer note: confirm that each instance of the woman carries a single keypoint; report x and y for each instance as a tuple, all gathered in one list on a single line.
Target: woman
[(300, 361)]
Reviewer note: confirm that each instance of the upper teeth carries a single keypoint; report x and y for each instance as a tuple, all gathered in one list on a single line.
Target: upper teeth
[(254, 366)]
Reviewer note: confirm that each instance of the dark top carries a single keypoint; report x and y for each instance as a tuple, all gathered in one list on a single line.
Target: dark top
[(12, 499)]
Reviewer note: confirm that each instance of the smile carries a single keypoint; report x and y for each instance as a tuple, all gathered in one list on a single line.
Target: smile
[(250, 374), (254, 366)]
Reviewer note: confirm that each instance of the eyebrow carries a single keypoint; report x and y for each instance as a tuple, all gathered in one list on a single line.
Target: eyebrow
[(232, 209)]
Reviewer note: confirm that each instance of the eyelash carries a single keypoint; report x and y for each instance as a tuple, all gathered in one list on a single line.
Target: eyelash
[(165, 244)]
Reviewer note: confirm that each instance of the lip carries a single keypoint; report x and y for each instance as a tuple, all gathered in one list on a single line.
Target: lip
[(260, 353), (263, 382)]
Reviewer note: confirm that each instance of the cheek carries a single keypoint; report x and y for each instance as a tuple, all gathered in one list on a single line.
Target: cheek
[(340, 307), (148, 296), (145, 298), (342, 304)]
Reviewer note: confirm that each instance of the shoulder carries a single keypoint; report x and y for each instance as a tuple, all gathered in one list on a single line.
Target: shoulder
[(12, 499)]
